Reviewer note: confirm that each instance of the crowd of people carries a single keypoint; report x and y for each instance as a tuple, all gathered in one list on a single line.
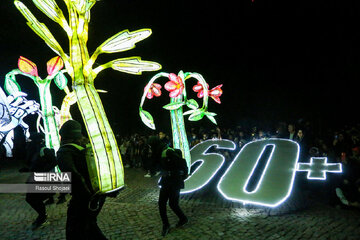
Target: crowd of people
[(339, 145), (138, 151)]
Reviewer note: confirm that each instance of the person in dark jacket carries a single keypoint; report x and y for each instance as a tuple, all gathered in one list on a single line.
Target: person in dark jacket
[(42, 160), (173, 173), (84, 205)]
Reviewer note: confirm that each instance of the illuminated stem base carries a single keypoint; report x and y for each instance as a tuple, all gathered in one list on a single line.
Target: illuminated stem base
[(108, 173), (180, 140)]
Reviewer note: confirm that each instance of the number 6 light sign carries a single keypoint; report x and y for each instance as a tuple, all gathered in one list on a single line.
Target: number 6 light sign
[(262, 173)]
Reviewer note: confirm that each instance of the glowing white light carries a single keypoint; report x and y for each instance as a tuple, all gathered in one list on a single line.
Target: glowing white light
[(124, 40), (210, 163), (318, 167), (276, 182), (13, 109), (264, 171)]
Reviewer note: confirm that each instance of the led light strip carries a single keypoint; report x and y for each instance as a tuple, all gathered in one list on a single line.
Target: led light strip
[(318, 167)]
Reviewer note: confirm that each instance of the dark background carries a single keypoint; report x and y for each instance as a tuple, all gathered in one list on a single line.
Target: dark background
[(278, 60)]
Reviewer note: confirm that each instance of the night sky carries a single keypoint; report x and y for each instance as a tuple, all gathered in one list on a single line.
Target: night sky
[(278, 60)]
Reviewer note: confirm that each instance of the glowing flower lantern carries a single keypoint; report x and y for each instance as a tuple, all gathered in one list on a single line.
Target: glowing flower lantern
[(175, 86), (29, 69), (79, 65), (214, 93), (54, 65), (154, 90), (178, 99)]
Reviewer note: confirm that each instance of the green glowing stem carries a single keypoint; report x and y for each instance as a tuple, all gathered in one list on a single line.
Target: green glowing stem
[(180, 140), (102, 138), (51, 130), (52, 139)]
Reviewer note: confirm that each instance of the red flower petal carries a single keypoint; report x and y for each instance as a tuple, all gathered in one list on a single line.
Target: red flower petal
[(157, 86), (156, 92), (173, 77), (175, 93), (54, 65), (149, 95), (216, 91), (198, 87), (170, 86), (216, 99), (27, 66)]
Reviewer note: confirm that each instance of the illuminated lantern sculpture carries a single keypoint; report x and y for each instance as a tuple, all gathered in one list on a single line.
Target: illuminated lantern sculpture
[(79, 65), (13, 109), (262, 173), (178, 99), (29, 69)]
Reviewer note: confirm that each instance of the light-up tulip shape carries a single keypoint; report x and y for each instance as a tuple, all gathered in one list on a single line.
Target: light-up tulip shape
[(28, 68)]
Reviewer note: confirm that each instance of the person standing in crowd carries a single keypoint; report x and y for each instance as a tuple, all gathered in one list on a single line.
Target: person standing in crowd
[(281, 130), (193, 139), (81, 221), (348, 190), (292, 132), (42, 160), (173, 173), (341, 146), (164, 138), (300, 139)]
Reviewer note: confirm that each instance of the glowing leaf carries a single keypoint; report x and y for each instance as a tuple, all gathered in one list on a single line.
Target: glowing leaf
[(191, 103), (39, 28), (134, 65), (11, 85), (54, 65), (189, 112), (27, 66), (124, 40), (147, 119), (60, 80), (50, 9), (212, 119), (196, 116), (210, 114), (174, 105)]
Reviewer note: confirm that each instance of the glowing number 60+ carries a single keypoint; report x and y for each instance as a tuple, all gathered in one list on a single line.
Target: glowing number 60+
[(274, 181)]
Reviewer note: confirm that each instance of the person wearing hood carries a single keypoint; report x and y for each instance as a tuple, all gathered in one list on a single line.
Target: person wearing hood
[(81, 220), (173, 173)]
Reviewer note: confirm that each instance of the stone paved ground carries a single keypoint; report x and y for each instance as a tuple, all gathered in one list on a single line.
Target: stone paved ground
[(133, 215)]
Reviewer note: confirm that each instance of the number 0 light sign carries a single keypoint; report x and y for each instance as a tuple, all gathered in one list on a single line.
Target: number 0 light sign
[(262, 173)]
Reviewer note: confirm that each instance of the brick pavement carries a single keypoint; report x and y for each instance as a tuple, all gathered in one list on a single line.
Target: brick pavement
[(133, 215)]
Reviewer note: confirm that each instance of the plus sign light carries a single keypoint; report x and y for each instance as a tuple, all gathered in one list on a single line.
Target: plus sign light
[(318, 167), (262, 173)]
